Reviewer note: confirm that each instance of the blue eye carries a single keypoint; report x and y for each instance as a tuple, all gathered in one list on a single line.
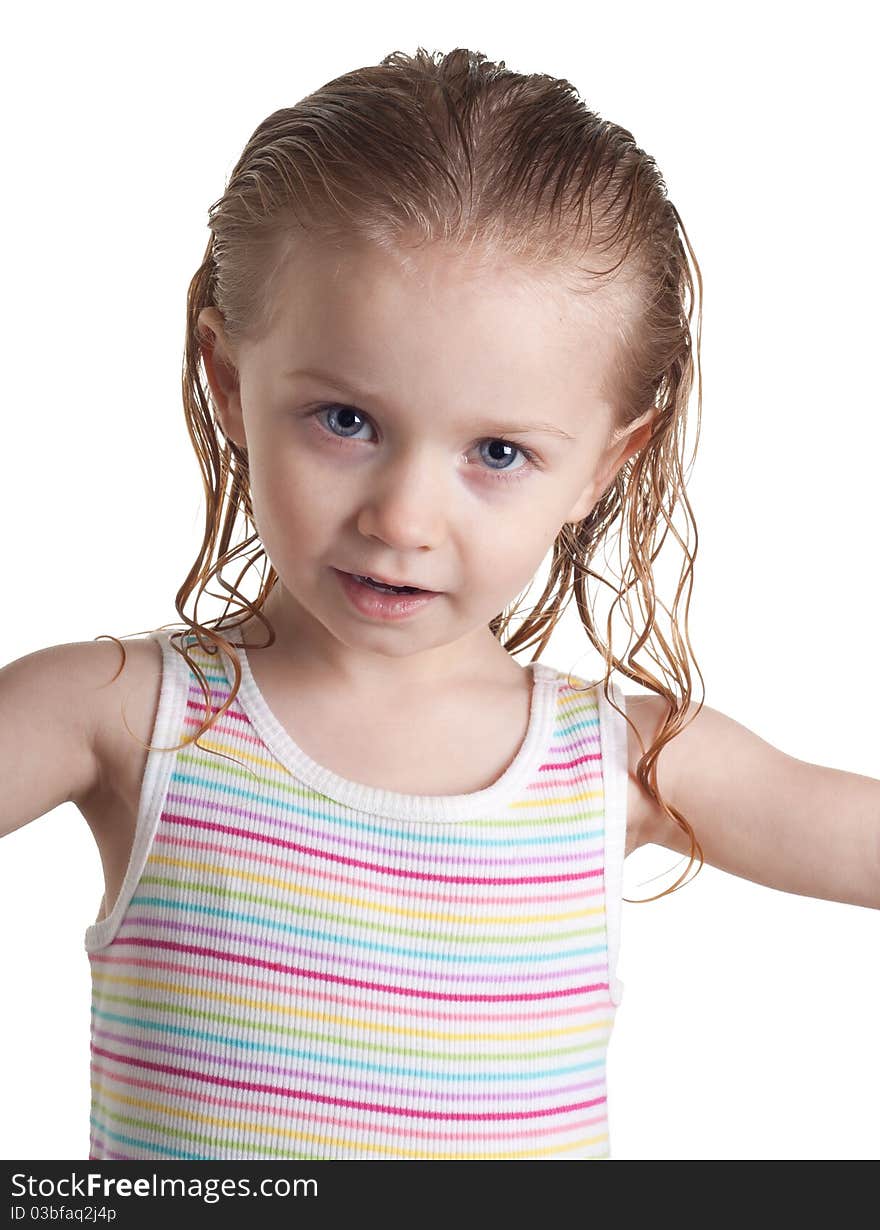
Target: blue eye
[(350, 421), (345, 413)]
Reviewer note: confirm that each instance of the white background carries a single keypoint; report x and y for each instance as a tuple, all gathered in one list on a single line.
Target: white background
[(750, 1020)]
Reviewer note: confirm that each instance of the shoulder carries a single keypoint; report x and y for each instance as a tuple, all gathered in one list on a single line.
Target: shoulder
[(56, 705), (98, 691), (79, 676), (124, 699)]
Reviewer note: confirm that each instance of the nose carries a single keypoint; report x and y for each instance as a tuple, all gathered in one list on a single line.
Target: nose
[(406, 502)]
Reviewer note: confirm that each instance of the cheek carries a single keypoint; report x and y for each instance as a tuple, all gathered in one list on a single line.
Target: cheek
[(297, 512), (515, 552)]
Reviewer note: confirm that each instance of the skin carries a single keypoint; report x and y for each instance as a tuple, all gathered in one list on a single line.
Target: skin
[(439, 355)]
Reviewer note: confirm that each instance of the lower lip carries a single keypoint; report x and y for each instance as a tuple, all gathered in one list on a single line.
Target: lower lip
[(379, 605)]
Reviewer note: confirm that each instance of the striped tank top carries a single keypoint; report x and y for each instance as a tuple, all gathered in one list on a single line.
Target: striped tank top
[(302, 967)]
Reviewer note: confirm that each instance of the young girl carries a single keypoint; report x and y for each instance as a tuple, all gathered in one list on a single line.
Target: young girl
[(363, 868)]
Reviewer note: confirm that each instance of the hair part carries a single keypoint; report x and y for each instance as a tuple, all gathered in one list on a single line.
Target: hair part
[(456, 150)]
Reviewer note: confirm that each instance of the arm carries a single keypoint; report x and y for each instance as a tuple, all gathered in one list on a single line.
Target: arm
[(759, 813), (47, 728)]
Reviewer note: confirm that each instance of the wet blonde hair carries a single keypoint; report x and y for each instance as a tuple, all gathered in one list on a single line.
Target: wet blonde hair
[(457, 149)]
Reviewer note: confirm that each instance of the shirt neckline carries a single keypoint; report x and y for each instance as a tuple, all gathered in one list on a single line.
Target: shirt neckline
[(393, 804)]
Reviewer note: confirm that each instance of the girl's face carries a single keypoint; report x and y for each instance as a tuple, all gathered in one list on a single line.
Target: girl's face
[(421, 420)]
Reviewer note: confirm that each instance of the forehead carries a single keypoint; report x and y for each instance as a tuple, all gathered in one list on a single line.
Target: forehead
[(440, 316)]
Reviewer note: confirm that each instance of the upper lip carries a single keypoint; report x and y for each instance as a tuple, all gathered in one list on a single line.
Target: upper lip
[(374, 576)]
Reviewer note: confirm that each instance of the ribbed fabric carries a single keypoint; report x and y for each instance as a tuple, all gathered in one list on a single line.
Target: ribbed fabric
[(302, 967)]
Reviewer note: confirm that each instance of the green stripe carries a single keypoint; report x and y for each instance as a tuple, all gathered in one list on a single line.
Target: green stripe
[(297, 1034), (381, 928)]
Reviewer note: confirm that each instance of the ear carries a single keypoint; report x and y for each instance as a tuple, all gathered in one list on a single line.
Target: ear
[(626, 443), (222, 374)]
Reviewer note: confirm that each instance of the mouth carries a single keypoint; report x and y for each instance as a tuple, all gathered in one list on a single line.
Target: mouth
[(385, 586), (375, 601)]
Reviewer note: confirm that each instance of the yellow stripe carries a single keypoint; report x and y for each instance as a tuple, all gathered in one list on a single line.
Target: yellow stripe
[(367, 1026), (236, 1126), (556, 800), (228, 873), (303, 1036)]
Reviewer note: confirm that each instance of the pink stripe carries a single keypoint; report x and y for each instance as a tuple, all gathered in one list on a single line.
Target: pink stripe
[(591, 845), (371, 1085), (350, 961), (295, 847), (408, 1130), (569, 764), (411, 1012), (320, 1099), (232, 714), (385, 988), (405, 893), (241, 734)]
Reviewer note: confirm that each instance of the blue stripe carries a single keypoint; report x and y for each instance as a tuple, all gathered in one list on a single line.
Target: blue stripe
[(207, 784), (162, 1150), (338, 1061), (340, 941)]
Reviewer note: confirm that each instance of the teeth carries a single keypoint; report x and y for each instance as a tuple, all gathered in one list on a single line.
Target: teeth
[(388, 589)]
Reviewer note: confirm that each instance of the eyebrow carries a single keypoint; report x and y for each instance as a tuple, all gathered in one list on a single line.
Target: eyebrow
[(502, 428)]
